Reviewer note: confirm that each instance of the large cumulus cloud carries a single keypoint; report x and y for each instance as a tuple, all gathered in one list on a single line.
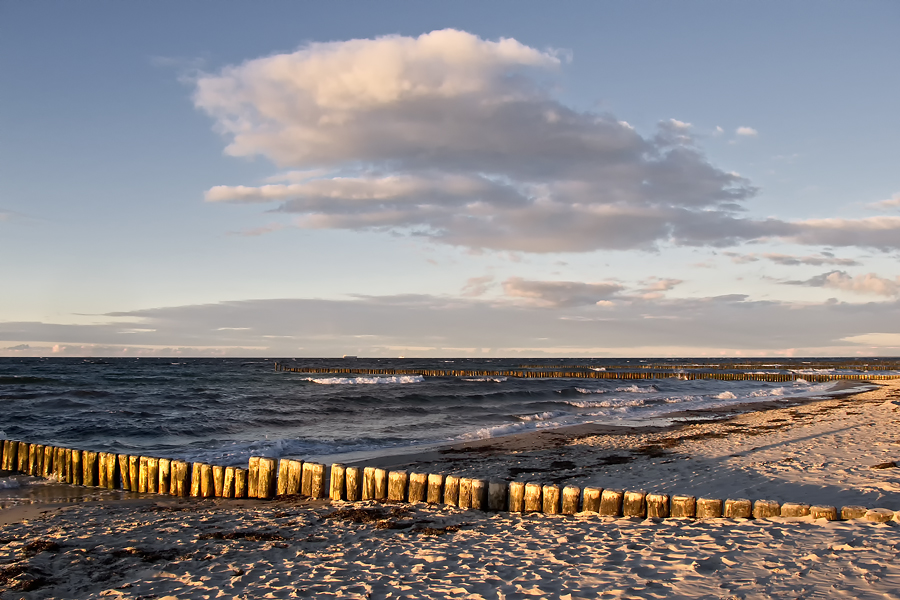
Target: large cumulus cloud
[(461, 139)]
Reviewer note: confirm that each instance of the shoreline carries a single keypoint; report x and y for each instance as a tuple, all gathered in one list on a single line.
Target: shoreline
[(816, 449)]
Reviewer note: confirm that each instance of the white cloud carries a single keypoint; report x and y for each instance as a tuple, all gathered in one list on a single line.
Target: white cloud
[(460, 139), (746, 132), (558, 294), (892, 202), (477, 286), (869, 283)]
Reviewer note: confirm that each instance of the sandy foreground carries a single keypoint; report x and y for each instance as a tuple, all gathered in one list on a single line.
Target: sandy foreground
[(115, 545)]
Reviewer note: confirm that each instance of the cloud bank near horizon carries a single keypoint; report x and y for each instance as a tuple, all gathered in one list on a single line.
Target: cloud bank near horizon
[(423, 325)]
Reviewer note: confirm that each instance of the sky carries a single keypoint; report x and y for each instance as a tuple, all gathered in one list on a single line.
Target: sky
[(504, 179)]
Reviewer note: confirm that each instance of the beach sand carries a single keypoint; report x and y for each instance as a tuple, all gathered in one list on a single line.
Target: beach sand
[(816, 452)]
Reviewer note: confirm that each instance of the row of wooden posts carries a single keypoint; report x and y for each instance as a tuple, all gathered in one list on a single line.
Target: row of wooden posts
[(744, 376), (266, 479)]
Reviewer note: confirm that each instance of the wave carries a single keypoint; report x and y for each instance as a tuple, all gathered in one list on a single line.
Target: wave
[(366, 380), (589, 391), (779, 391), (725, 396), (544, 416), (636, 389), (485, 379)]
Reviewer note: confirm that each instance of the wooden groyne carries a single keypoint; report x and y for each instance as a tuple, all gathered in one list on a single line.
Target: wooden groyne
[(265, 478), (588, 373)]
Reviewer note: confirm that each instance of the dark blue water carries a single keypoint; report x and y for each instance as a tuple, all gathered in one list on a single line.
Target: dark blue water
[(222, 410)]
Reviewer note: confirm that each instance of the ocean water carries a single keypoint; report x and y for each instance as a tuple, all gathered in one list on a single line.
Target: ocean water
[(224, 410)]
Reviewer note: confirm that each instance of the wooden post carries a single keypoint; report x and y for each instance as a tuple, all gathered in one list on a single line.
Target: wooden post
[(533, 497), (435, 488), (165, 476), (794, 509), (381, 484), (124, 460), (181, 484), (684, 507), (368, 488), (265, 486), (48, 462), (571, 498), (709, 508), (592, 499), (823, 512), (853, 512), (337, 481), (240, 482), (879, 515), (657, 506), (77, 468), (134, 463), (89, 471), (353, 476), (69, 474), (306, 479), (5, 459), (284, 467), (23, 451), (465, 492), (59, 464), (397, 484), (228, 483), (611, 503), (252, 476), (295, 475), (143, 475), (738, 508), (32, 459), (196, 480), (551, 499), (496, 495), (218, 477), (101, 469), (318, 489), (418, 487), (517, 496), (479, 499), (764, 509), (451, 490), (633, 504), (207, 489)]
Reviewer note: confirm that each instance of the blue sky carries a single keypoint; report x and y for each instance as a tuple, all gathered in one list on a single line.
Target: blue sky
[(516, 179)]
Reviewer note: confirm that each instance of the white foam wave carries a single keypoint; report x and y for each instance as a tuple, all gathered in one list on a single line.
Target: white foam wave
[(611, 403), (598, 368), (589, 391), (725, 396), (544, 416), (494, 379), (779, 391), (366, 380), (636, 389)]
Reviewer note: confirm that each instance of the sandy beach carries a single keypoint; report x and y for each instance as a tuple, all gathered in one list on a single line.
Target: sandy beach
[(817, 451)]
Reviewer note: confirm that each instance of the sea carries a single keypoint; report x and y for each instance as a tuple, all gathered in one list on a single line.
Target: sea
[(223, 410)]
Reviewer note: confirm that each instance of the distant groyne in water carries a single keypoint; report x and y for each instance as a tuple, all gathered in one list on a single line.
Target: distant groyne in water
[(687, 372)]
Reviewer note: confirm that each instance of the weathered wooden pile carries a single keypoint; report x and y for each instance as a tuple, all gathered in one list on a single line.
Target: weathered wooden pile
[(266, 478)]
